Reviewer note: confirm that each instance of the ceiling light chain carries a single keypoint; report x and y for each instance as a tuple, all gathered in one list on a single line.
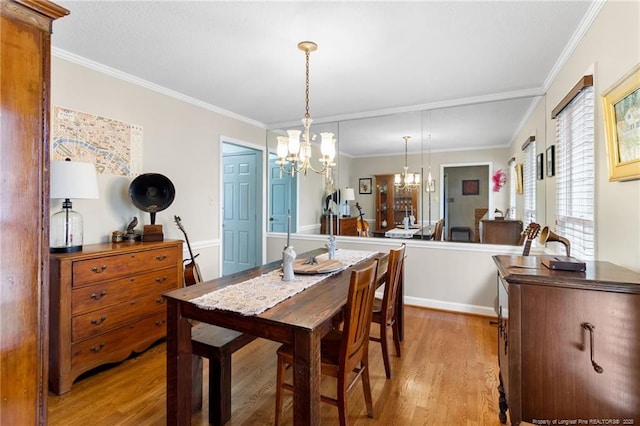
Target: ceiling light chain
[(297, 153), (307, 54), (406, 180)]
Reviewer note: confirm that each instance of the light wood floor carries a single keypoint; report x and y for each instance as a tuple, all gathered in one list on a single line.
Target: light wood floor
[(447, 375)]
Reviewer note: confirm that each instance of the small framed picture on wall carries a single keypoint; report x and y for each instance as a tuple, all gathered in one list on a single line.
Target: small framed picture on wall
[(540, 166), (551, 161), (365, 186), (471, 187)]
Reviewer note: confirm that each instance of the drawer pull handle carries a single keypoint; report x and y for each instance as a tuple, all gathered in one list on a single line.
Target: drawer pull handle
[(97, 271), (98, 296), (160, 323), (98, 321), (161, 258), (97, 348), (161, 279), (160, 300), (591, 328)]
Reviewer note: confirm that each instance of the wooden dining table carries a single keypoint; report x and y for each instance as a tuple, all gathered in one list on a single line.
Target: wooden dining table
[(301, 321)]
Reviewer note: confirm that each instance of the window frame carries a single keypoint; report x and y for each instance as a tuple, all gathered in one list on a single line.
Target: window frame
[(575, 170)]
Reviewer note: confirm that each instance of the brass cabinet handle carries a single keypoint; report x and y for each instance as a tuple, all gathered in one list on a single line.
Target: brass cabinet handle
[(591, 328), (161, 258), (161, 279), (97, 271), (160, 323), (161, 300), (98, 296), (97, 348), (98, 321)]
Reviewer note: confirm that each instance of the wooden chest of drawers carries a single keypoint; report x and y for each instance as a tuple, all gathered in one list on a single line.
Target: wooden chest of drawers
[(106, 302)]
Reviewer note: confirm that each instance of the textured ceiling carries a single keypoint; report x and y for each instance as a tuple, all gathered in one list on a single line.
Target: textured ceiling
[(482, 60)]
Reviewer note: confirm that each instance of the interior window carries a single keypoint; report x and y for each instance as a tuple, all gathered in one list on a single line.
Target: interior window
[(529, 181), (575, 173), (512, 190)]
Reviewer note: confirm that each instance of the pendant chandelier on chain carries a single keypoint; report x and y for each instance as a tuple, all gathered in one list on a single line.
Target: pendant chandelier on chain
[(406, 180), (294, 154)]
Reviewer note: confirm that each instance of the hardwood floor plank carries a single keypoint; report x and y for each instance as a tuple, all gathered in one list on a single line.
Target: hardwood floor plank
[(447, 375)]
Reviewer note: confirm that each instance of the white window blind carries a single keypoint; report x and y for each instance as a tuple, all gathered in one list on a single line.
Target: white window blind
[(529, 182), (512, 190), (575, 175)]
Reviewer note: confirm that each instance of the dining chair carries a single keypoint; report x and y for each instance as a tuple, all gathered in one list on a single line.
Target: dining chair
[(342, 351), (384, 310), (437, 230)]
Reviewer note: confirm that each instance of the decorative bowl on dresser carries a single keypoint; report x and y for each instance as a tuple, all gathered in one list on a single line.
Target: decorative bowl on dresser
[(106, 302), (568, 343)]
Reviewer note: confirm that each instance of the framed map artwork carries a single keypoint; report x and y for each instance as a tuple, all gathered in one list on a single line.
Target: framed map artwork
[(112, 146)]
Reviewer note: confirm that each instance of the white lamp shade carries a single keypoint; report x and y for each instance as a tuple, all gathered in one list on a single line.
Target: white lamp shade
[(294, 141), (72, 179), (283, 146), (328, 145), (349, 194), (305, 152)]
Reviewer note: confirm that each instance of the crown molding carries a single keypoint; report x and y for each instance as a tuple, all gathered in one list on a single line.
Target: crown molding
[(63, 54)]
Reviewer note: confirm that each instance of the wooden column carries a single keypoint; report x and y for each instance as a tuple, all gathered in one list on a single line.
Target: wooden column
[(25, 28)]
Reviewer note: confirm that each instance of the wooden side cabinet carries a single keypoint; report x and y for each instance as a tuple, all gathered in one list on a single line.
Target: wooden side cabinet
[(106, 302), (341, 225), (500, 231), (568, 343)]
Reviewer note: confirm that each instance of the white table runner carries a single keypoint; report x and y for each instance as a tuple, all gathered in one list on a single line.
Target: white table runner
[(258, 294), (401, 232)]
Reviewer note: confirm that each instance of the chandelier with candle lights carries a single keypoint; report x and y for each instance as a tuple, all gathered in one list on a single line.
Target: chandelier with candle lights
[(294, 154), (406, 180)]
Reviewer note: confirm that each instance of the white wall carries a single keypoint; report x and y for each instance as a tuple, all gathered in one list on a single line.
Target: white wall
[(181, 141)]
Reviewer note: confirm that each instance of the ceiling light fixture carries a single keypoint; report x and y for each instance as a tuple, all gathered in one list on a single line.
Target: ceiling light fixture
[(406, 180), (291, 150)]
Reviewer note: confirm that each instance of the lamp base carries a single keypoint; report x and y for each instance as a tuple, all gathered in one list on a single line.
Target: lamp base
[(65, 230), (69, 249)]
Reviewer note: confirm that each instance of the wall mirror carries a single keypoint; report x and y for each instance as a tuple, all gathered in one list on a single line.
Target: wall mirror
[(369, 148)]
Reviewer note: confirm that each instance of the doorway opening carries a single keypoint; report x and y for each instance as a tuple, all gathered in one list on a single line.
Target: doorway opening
[(241, 207), (465, 191), (283, 199)]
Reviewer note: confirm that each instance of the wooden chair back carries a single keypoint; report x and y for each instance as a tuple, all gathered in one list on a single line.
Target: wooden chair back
[(392, 286), (357, 319), (437, 230)]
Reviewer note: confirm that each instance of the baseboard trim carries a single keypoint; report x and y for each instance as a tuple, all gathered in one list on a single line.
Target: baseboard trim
[(451, 306)]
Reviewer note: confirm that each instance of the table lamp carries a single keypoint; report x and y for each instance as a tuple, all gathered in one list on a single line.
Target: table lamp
[(349, 195), (69, 179)]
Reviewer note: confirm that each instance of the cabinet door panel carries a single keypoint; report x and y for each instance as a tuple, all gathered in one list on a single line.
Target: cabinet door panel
[(557, 374)]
